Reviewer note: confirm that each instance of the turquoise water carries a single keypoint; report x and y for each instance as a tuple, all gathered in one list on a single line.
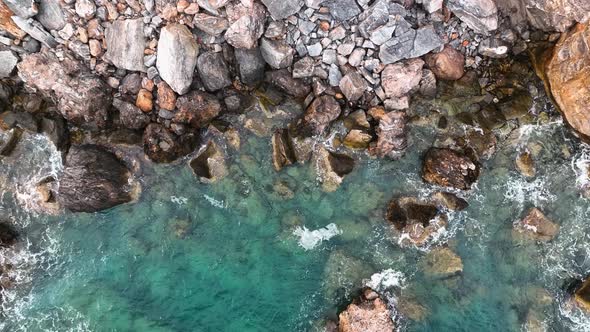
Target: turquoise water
[(226, 256)]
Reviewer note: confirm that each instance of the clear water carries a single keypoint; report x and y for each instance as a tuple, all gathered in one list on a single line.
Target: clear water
[(226, 256)]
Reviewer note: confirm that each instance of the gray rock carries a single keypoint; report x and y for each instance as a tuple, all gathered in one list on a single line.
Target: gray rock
[(306, 27), (51, 15), (356, 57), (426, 40), (346, 48), (275, 30), (8, 61), (85, 8), (280, 9), (315, 49), (373, 18), (31, 45), (479, 15), (432, 5), (130, 115), (334, 75), (411, 44), (212, 25), (342, 10), (35, 30), (277, 53), (246, 27), (353, 86), (381, 35), (177, 57), (303, 68), (22, 8), (125, 44), (213, 71), (250, 65), (329, 57)]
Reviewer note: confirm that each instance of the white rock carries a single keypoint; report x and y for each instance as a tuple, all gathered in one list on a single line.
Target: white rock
[(177, 57)]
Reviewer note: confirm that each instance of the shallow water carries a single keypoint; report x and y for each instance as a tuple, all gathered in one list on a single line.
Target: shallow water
[(237, 256)]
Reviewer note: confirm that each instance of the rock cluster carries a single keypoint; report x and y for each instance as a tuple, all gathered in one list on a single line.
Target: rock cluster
[(368, 313)]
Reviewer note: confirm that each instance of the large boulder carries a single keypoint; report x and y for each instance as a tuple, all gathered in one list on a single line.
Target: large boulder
[(282, 149), (479, 15), (125, 43), (320, 113), (568, 73), (415, 219), (163, 146), (332, 167), (368, 313), (209, 165), (449, 168), (547, 15), (536, 226), (8, 234), (93, 179), (197, 109), (177, 57)]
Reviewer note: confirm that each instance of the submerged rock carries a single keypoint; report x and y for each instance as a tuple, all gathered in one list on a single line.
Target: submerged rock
[(125, 44), (8, 235), (209, 165), (449, 201), (332, 167), (93, 179), (525, 164), (582, 296), (342, 276), (369, 313), (535, 225), (163, 146), (177, 57), (417, 220), (442, 262), (449, 168), (282, 149)]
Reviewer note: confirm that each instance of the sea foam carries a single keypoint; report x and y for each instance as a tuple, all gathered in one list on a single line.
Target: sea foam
[(311, 239)]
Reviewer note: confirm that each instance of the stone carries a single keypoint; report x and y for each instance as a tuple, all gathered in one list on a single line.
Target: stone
[(130, 115), (410, 44), (525, 164), (332, 168), (144, 100), (568, 73), (391, 135), (282, 150), (342, 10), (85, 8), (9, 140), (209, 165), (212, 25), (246, 25), (536, 226), (366, 315), (22, 120), (177, 57), (319, 114), (353, 86), (432, 6), (547, 15), (35, 30), (213, 71), (400, 78), (428, 84), (582, 295), (314, 49), (82, 98), (163, 146), (280, 9), (303, 68), (95, 48), (250, 65), (357, 139), (283, 80), (22, 8), (93, 179), (446, 65), (166, 96), (441, 263), (8, 61), (7, 24), (479, 15), (197, 109), (417, 220), (493, 48), (55, 129), (51, 15), (449, 201), (449, 168), (277, 53), (373, 18), (125, 44)]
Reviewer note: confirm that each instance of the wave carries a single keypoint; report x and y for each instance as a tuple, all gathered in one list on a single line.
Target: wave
[(311, 239)]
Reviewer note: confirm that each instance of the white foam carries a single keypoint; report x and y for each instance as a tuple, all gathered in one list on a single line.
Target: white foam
[(179, 200), (220, 204), (520, 191), (385, 280), (311, 239)]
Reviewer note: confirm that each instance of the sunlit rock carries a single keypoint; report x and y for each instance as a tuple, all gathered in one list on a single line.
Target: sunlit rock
[(209, 165), (536, 226), (415, 220), (368, 313), (442, 262)]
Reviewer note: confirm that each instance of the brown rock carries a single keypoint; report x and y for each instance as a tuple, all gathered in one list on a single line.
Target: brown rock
[(525, 164), (166, 96), (446, 65), (209, 165), (449, 201), (357, 139), (197, 109), (145, 100), (7, 24), (449, 168), (400, 78), (442, 262), (283, 80), (582, 296), (282, 149), (391, 135), (320, 114), (536, 226), (364, 315), (353, 86), (332, 167), (246, 25), (163, 146)]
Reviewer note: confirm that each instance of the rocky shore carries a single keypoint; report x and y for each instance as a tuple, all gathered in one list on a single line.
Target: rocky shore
[(180, 80)]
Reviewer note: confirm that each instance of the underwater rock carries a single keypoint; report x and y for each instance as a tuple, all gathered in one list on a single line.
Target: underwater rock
[(442, 263), (536, 226), (525, 164), (368, 313), (342, 276), (8, 234), (163, 146), (282, 149), (582, 296), (93, 179), (415, 219), (449, 168), (209, 165), (197, 108), (449, 201), (447, 64), (357, 139), (318, 116), (332, 167), (411, 308)]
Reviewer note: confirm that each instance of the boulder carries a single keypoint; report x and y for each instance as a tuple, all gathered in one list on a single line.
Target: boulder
[(212, 25), (163, 146), (369, 313), (410, 44), (446, 65), (213, 71), (82, 98), (547, 15), (400, 78), (536, 226), (342, 276), (93, 179), (250, 65), (282, 149), (8, 141), (391, 135), (449, 168), (357, 139), (55, 129), (582, 295), (130, 115), (353, 86), (280, 9), (332, 167), (209, 165), (125, 44), (8, 61), (177, 57), (197, 109), (283, 80), (479, 15), (277, 53), (318, 116), (51, 15), (568, 73), (442, 263), (246, 25)]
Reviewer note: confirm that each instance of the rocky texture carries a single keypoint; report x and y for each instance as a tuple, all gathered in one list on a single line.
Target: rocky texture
[(280, 9), (209, 165), (51, 15), (93, 179), (353, 86), (177, 57), (400, 78), (213, 71), (277, 53), (391, 135), (283, 80), (332, 167), (282, 149), (568, 72), (410, 44), (480, 15), (246, 24), (163, 146), (447, 64), (449, 168), (197, 109), (548, 15), (342, 10), (6, 22), (250, 65), (535, 225), (125, 44), (8, 61), (319, 115), (166, 96), (22, 8), (130, 115), (417, 219), (449, 201), (582, 295), (442, 262), (368, 313), (357, 139), (525, 165), (55, 129), (211, 25), (82, 98), (35, 30)]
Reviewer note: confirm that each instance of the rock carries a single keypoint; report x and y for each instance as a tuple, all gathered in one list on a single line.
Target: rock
[(212, 25), (166, 97), (373, 18), (8, 235), (125, 44), (353, 86), (246, 25), (493, 48), (197, 109), (55, 129), (342, 10), (334, 75), (446, 65), (568, 73), (303, 68), (23, 120), (250, 65), (82, 98), (479, 15), (283, 80), (7, 24), (366, 315), (130, 115), (320, 113), (525, 164), (145, 100), (163, 146), (35, 30), (213, 71), (582, 295), (432, 6), (391, 135), (449, 168), (177, 57), (410, 44), (8, 141), (332, 167), (8, 61), (428, 84), (449, 201), (280, 9), (343, 274), (209, 165), (282, 149), (536, 226), (551, 15), (277, 53), (85, 8), (51, 15), (357, 139), (22, 8), (93, 179), (400, 78), (442, 263)]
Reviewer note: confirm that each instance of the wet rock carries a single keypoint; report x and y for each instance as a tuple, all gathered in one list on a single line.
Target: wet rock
[(318, 116), (525, 164), (283, 80), (56, 130), (82, 98), (22, 8), (246, 25), (163, 146), (342, 10), (51, 15), (125, 44), (582, 296), (536, 226), (8, 61), (391, 135), (93, 179), (367, 314), (357, 139), (209, 165), (197, 109), (353, 86), (410, 44), (282, 149), (166, 97), (8, 141), (446, 65), (213, 71), (332, 167), (177, 57), (8, 235), (568, 72), (442, 263), (35, 30), (277, 53), (130, 115), (250, 65), (342, 276), (449, 201), (212, 25), (479, 15), (449, 168), (280, 9), (400, 78), (23, 120)]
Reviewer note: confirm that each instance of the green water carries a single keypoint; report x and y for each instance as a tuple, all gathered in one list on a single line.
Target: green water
[(224, 257)]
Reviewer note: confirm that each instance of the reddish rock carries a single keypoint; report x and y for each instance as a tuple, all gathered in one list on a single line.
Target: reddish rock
[(283, 80), (320, 114), (197, 109), (449, 168), (400, 78), (446, 65), (353, 86), (166, 96), (282, 149), (145, 100), (391, 135), (368, 313), (536, 226)]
